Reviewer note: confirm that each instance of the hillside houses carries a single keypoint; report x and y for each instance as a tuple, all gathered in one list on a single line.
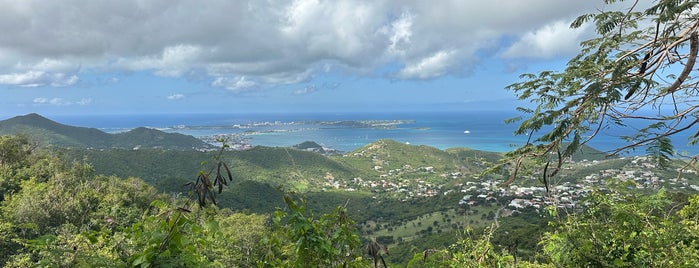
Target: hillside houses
[(408, 181)]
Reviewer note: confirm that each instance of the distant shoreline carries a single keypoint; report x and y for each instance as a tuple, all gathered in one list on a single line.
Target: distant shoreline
[(484, 131)]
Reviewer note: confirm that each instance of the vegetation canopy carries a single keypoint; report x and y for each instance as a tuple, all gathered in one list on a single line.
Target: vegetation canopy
[(639, 68)]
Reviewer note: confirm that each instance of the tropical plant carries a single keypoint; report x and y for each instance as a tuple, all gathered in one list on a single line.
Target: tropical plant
[(15, 153), (166, 241), (621, 228), (302, 240)]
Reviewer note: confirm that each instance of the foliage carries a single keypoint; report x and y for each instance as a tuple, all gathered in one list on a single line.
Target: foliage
[(167, 242), (641, 60), (166, 169), (390, 154), (15, 152), (61, 214), (661, 151), (302, 240), (64, 215), (469, 251), (627, 229), (173, 236), (521, 233)]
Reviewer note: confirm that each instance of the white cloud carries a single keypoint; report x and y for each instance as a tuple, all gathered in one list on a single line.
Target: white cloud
[(234, 84), (173, 61), (62, 80), (429, 67), (175, 97), (549, 41), (24, 79), (245, 45), (38, 78), (53, 101), (400, 33), (305, 90), (41, 100), (60, 101)]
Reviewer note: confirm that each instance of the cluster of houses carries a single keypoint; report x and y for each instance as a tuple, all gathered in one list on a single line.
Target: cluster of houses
[(641, 170), (404, 188)]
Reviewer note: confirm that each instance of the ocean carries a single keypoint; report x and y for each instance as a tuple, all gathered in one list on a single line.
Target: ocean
[(347, 131)]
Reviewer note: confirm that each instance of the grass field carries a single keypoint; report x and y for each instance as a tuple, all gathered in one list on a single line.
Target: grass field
[(455, 219)]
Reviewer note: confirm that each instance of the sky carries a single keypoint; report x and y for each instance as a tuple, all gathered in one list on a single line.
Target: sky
[(70, 57)]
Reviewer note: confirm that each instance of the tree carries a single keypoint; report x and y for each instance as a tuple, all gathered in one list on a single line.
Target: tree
[(15, 152), (303, 240), (640, 68), (625, 228), (470, 250)]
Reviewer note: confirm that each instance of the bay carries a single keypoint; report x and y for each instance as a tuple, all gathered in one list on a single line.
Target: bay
[(342, 131)]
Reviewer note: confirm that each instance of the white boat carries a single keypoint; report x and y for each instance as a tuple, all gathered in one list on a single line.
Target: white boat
[(467, 132)]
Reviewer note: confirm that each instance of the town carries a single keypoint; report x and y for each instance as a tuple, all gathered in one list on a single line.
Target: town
[(410, 182)]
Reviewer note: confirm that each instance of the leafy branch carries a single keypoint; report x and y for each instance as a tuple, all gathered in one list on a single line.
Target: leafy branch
[(621, 74)]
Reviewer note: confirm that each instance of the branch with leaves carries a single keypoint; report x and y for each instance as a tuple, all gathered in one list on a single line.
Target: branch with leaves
[(177, 219), (641, 67)]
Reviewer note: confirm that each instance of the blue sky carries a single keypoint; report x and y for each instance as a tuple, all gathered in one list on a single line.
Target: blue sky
[(164, 56)]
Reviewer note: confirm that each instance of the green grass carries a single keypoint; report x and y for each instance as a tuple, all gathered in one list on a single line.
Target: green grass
[(447, 220)]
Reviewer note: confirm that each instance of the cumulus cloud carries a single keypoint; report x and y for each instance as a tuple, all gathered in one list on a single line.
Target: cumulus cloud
[(234, 84), (172, 61), (549, 41), (38, 78), (399, 34), (245, 45), (429, 67)]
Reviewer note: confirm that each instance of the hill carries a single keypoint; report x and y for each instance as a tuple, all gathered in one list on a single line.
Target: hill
[(586, 152), (168, 170), (51, 133), (389, 155), (294, 169)]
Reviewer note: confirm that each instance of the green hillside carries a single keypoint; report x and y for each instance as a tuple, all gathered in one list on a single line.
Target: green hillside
[(153, 138), (50, 133), (409, 197), (586, 152), (293, 169), (168, 169), (47, 132), (383, 156)]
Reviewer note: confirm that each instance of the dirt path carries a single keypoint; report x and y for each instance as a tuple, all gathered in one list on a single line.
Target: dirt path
[(497, 215)]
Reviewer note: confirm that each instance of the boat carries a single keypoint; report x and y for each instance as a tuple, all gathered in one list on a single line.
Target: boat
[(467, 131)]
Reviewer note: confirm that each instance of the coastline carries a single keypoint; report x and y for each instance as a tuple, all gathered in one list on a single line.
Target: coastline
[(484, 131)]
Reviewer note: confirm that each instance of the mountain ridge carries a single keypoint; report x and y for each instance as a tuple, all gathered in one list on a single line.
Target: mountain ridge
[(49, 132)]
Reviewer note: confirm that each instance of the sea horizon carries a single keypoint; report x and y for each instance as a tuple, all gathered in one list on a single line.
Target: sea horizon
[(478, 130)]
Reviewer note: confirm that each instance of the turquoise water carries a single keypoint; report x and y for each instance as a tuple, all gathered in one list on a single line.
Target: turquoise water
[(478, 130)]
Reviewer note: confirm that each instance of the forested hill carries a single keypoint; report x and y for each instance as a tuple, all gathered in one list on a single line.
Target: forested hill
[(51, 133)]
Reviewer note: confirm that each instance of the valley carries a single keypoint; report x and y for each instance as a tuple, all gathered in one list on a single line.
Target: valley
[(409, 198)]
